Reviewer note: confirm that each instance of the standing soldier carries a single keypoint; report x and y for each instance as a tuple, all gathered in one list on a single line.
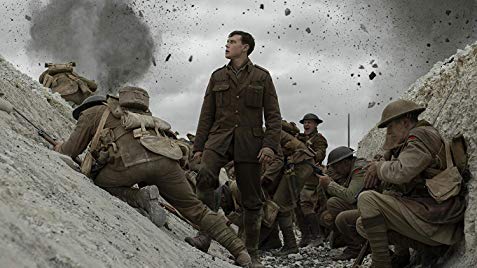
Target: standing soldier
[(344, 194), (130, 147), (307, 218), (238, 96), (410, 206)]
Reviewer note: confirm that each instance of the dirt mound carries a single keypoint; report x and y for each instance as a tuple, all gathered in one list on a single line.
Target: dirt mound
[(52, 216)]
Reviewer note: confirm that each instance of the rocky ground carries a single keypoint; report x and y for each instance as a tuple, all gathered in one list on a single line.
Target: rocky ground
[(308, 257)]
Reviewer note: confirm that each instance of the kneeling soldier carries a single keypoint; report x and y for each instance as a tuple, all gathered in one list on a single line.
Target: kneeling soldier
[(344, 194), (130, 146)]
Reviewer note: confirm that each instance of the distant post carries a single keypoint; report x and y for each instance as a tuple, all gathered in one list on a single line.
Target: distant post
[(348, 130)]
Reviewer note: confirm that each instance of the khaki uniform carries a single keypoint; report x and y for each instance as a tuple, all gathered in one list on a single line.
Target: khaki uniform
[(230, 128), (310, 195), (344, 196), (300, 158), (233, 211), (63, 80), (130, 163), (405, 205)]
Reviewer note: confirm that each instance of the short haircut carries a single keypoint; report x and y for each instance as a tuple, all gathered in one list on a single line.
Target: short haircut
[(246, 39)]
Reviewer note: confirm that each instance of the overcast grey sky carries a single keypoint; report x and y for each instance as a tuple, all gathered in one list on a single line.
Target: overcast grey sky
[(320, 55)]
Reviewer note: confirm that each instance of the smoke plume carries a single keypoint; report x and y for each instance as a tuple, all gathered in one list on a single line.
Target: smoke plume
[(106, 38)]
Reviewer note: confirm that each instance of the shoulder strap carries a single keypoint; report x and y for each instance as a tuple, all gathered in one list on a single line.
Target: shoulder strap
[(261, 68), (449, 162), (88, 160), (102, 122)]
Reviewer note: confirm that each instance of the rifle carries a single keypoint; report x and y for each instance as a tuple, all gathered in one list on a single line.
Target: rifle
[(42, 133), (172, 210), (359, 260)]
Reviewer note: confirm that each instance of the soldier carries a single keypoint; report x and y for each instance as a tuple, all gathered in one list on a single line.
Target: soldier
[(406, 209), (300, 166), (232, 207), (344, 194), (131, 146), (62, 79), (238, 96), (306, 216)]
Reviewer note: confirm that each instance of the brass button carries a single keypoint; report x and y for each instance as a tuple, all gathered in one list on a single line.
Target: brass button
[(236, 111), (238, 97), (236, 125)]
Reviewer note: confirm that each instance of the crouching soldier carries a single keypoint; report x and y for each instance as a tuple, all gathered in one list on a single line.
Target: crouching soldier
[(341, 206), (130, 146), (62, 79), (231, 204), (411, 211)]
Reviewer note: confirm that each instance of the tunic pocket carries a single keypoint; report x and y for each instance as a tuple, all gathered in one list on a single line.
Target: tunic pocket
[(222, 95), (254, 96)]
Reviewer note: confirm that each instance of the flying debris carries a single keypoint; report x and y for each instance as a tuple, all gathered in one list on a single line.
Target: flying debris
[(372, 75), (362, 27), (371, 104), (287, 12), (168, 57), (308, 30), (190, 58)]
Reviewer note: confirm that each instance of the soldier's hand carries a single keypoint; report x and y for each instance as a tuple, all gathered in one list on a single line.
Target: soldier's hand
[(324, 180), (197, 156), (371, 176), (265, 155), (57, 147)]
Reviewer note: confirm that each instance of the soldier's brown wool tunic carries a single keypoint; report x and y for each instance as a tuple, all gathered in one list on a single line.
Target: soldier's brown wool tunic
[(232, 113), (317, 143)]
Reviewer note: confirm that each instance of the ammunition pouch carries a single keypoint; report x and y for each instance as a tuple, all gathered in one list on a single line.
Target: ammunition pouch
[(270, 212), (447, 183)]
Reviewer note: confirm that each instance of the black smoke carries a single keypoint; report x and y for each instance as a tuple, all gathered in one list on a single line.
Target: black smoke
[(106, 38)]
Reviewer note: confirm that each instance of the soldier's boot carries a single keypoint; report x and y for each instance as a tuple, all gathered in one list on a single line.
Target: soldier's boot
[(428, 255), (305, 235), (286, 226), (376, 231), (215, 226), (303, 227), (202, 241), (315, 228), (252, 221), (350, 252), (146, 198), (269, 238)]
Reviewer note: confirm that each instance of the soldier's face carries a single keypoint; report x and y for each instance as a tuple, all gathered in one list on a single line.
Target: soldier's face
[(397, 130), (309, 126), (343, 167), (234, 47)]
